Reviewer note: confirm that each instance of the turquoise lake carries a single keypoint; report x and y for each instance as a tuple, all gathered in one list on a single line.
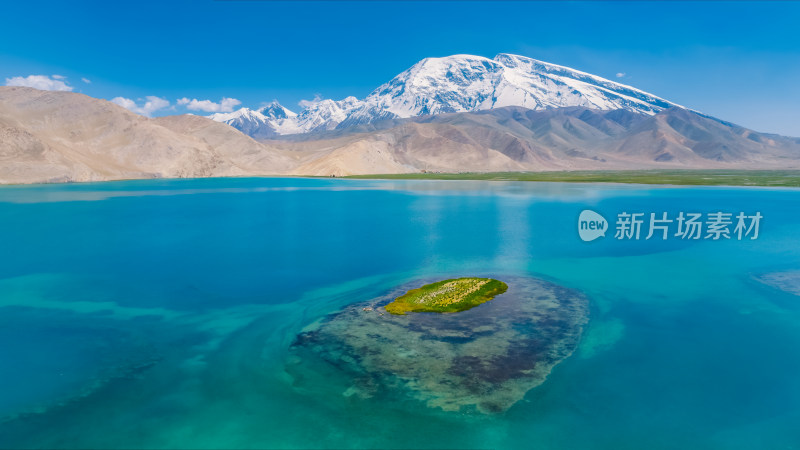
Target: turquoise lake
[(160, 313)]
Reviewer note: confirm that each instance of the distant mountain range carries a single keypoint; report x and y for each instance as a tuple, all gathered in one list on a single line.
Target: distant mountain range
[(460, 83), (571, 138), (454, 114)]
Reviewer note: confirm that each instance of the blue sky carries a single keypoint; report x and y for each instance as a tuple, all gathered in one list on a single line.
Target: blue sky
[(739, 61)]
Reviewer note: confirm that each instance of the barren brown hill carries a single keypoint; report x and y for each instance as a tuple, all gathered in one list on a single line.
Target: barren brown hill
[(61, 136)]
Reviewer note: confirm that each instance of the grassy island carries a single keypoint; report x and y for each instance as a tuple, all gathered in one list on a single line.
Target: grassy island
[(447, 296)]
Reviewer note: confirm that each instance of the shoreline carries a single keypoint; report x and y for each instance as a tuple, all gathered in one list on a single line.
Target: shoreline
[(680, 177), (789, 178)]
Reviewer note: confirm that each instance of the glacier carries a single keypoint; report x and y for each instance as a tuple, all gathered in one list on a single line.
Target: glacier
[(451, 84)]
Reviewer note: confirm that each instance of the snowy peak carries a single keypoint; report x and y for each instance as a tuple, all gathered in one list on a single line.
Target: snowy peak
[(250, 122), (458, 83), (463, 83), (588, 90), (268, 122), (276, 111), (439, 85), (323, 115)]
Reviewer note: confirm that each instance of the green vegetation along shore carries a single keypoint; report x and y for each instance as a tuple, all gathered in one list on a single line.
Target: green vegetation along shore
[(774, 178), (445, 296)]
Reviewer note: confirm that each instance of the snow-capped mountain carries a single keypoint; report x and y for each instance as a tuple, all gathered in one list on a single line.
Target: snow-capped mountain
[(459, 83), (276, 111), (249, 122), (323, 115), (264, 123)]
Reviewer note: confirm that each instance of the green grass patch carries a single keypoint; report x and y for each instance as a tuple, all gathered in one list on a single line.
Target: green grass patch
[(774, 178), (447, 296)]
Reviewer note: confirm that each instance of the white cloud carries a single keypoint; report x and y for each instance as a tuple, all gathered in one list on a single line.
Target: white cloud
[(151, 104), (307, 103), (124, 102), (620, 74), (225, 105), (41, 82), (86, 80)]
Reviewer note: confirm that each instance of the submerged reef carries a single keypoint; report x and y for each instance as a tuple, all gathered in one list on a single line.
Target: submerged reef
[(454, 295), (483, 359), (788, 281)]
